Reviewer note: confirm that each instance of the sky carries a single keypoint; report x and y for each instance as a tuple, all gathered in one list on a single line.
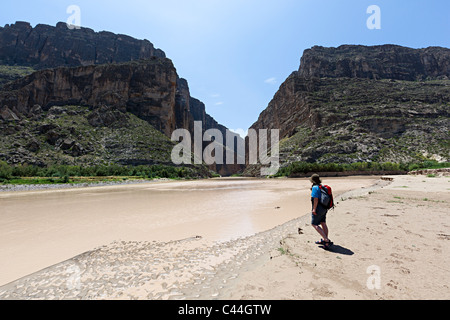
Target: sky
[(235, 54)]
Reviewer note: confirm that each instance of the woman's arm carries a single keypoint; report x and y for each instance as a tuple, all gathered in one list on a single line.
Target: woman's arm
[(316, 203)]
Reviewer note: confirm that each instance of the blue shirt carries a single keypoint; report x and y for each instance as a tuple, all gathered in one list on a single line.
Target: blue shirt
[(316, 192)]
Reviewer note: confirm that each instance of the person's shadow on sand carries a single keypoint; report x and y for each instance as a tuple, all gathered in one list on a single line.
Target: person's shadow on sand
[(338, 249)]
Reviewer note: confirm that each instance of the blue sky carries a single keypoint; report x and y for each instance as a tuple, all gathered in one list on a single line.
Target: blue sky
[(236, 53)]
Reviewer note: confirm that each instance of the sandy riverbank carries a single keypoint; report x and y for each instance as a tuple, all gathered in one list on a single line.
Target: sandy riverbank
[(262, 256), (389, 244)]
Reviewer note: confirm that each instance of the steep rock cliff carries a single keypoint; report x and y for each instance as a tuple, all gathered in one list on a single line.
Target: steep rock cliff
[(115, 76), (145, 88), (356, 103), (376, 62), (46, 46)]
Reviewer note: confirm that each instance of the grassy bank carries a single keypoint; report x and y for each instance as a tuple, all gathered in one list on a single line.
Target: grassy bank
[(65, 174), (62, 174), (297, 168)]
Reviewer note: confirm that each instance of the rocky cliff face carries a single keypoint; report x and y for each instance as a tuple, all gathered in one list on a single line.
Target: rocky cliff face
[(148, 89), (356, 103), (48, 47), (145, 88), (376, 62), (115, 76), (197, 110)]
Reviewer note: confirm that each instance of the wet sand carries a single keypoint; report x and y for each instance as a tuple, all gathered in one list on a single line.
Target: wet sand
[(145, 241)]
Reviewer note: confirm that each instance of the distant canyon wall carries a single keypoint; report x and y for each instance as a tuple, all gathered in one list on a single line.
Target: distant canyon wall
[(376, 62), (46, 46)]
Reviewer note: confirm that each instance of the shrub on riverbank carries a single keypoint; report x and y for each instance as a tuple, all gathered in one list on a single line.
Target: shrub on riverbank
[(5, 171), (305, 167), (63, 173)]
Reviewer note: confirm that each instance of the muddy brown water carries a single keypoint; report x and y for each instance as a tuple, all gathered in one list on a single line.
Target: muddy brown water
[(42, 228)]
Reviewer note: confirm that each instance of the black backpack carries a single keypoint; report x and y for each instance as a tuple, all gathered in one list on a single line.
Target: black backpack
[(326, 197)]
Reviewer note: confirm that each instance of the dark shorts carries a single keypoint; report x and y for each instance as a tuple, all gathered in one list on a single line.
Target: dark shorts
[(320, 217)]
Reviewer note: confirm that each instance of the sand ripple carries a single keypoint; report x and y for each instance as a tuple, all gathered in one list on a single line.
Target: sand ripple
[(187, 269)]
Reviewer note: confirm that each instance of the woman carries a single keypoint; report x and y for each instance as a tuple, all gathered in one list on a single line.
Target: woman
[(319, 213)]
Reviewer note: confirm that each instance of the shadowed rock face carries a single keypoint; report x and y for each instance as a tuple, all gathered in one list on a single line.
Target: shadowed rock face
[(114, 75), (63, 110), (97, 73), (150, 89), (356, 103), (48, 47), (145, 88)]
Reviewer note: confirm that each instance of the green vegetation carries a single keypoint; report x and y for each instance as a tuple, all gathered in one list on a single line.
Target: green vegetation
[(5, 171), (394, 201), (414, 199), (305, 167), (11, 73), (429, 164), (19, 71), (127, 140), (27, 174)]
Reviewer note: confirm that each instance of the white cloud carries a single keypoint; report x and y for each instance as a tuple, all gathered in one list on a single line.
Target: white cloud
[(218, 103), (215, 95), (271, 81), (243, 133)]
